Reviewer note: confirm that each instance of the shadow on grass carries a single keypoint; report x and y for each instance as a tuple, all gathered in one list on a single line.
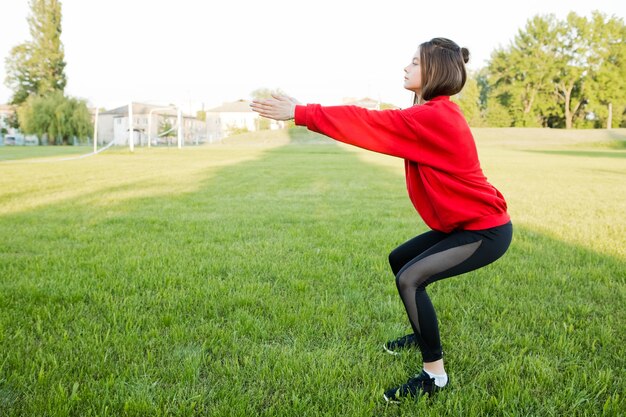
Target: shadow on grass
[(266, 292)]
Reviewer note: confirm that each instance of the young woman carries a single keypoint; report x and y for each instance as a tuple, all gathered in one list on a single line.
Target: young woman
[(467, 215)]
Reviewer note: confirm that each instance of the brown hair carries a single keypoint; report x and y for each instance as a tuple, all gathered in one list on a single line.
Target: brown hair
[(442, 65)]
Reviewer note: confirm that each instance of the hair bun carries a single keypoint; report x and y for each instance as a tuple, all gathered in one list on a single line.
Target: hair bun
[(466, 54)]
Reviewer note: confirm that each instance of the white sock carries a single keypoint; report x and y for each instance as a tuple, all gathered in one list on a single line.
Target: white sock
[(440, 380)]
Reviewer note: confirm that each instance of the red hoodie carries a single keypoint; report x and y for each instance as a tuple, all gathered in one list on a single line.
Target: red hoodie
[(443, 175)]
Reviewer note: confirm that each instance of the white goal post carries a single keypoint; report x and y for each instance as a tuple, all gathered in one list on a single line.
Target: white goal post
[(179, 117)]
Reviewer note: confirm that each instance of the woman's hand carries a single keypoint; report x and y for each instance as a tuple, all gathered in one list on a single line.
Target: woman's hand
[(277, 107)]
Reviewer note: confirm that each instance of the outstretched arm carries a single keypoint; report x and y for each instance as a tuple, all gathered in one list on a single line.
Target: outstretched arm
[(385, 131), (278, 107)]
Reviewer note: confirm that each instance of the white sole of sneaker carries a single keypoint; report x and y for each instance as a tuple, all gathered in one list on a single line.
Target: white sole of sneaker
[(391, 352), (390, 401)]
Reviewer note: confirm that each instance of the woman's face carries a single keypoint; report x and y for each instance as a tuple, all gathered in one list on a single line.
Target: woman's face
[(413, 74)]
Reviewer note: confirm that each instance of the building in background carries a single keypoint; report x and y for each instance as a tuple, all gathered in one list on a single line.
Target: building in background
[(148, 121)]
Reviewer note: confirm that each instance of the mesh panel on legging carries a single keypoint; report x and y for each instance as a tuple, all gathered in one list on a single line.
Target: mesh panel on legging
[(411, 282)]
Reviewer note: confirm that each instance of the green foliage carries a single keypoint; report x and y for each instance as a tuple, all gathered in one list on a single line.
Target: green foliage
[(386, 106), (58, 117), (238, 280), (5, 121), (560, 73), (237, 130), (201, 115), (469, 101), (21, 77), (497, 115), (38, 67), (166, 128), (263, 123), (519, 76), (12, 120), (607, 98), (574, 55)]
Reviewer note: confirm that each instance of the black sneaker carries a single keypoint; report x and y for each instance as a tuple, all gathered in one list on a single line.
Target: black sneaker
[(416, 386), (403, 342)]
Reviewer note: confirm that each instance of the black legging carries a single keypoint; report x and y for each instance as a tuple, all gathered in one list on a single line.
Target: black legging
[(433, 256)]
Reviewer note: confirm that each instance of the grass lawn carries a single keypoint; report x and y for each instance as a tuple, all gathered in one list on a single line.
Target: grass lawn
[(250, 278), (13, 153)]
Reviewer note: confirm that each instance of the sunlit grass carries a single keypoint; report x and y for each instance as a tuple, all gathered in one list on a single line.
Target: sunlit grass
[(113, 176), (13, 153), (250, 278)]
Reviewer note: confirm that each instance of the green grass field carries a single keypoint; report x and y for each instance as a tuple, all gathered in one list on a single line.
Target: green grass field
[(250, 278)]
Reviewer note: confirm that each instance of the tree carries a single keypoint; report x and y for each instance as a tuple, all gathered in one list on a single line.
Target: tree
[(20, 73), (482, 81), (166, 127), (387, 106), (56, 117), (491, 98), (497, 115), (573, 55), (533, 56), (608, 91), (38, 66), (520, 76), (469, 101), (560, 73), (589, 55)]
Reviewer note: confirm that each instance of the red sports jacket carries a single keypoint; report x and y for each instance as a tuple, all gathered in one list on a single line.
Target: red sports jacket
[(445, 182)]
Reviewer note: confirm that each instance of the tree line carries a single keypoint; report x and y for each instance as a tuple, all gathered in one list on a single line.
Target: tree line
[(36, 75), (554, 73)]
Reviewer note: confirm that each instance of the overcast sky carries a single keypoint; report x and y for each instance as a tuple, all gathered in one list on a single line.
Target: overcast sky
[(192, 53)]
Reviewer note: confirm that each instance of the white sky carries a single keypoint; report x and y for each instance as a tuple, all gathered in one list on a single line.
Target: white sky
[(188, 52)]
